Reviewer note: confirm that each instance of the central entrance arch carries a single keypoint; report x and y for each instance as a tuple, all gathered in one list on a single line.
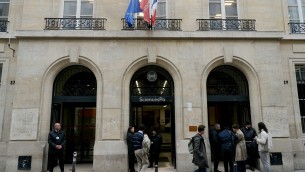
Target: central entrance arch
[(227, 96), (74, 106), (152, 103)]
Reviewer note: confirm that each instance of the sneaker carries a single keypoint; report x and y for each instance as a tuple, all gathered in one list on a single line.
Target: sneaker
[(156, 166)]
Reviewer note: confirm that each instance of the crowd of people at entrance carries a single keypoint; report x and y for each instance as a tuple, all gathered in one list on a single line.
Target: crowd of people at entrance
[(239, 147), (143, 148)]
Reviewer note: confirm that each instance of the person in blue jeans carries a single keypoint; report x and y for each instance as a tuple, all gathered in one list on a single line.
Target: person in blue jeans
[(199, 155)]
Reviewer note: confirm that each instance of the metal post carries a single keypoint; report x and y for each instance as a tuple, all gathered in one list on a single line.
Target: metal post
[(74, 161), (156, 168)]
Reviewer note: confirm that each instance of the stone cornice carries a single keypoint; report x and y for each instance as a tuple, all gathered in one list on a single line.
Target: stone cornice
[(151, 35)]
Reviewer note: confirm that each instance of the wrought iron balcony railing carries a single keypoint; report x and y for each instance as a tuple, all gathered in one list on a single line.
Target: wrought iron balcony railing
[(75, 23), (160, 24), (226, 24), (3, 25), (296, 27)]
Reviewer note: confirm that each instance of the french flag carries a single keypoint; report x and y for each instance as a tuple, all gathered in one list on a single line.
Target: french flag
[(154, 12)]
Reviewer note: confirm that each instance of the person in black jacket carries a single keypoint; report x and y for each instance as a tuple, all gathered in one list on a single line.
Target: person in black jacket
[(251, 145), (57, 141), (156, 141), (131, 156), (215, 146)]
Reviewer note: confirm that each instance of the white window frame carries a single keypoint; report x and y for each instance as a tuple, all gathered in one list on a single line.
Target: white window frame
[(5, 17), (300, 11), (295, 97), (78, 7), (140, 15), (4, 62), (223, 9)]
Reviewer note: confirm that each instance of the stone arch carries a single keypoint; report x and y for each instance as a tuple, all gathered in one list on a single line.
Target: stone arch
[(46, 94), (253, 84), (175, 74)]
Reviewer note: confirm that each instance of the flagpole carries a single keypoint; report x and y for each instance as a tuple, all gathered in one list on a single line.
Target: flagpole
[(150, 12)]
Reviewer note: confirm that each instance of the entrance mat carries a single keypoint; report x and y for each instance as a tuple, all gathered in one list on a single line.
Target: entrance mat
[(163, 159)]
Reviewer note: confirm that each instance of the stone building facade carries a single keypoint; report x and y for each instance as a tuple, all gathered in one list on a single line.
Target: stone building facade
[(216, 66)]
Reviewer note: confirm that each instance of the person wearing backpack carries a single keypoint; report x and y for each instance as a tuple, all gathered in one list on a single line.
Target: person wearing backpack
[(199, 152), (263, 145)]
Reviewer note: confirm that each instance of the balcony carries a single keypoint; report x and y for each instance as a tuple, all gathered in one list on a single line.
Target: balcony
[(296, 27), (226, 24), (75, 23), (3, 25), (160, 24)]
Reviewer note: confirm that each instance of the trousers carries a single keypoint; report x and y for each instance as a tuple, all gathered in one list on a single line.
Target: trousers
[(264, 156), (142, 160)]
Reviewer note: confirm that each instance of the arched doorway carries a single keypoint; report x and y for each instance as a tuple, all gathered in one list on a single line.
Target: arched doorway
[(74, 106), (152, 103), (227, 96)]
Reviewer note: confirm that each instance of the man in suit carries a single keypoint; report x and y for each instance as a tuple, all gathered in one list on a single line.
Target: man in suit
[(57, 141)]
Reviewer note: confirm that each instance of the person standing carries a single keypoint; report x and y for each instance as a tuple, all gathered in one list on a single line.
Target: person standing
[(263, 150), (251, 145), (140, 151), (199, 155), (215, 146), (240, 150), (156, 141), (226, 139), (131, 155), (57, 141)]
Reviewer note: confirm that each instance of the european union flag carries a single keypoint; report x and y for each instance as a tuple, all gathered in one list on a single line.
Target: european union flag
[(133, 7)]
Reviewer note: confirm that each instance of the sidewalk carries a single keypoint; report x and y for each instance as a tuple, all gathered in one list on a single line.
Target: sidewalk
[(89, 168)]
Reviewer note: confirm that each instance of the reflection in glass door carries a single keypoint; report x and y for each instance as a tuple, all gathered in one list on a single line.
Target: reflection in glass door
[(78, 122)]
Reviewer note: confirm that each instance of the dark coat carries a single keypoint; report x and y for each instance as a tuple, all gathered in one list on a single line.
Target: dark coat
[(129, 143), (156, 142), (227, 139), (56, 138), (199, 155), (214, 142), (137, 140)]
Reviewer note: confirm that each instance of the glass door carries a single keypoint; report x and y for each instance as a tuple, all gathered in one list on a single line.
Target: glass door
[(78, 122)]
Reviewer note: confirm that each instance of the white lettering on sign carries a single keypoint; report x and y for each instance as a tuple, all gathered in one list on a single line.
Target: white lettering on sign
[(154, 99)]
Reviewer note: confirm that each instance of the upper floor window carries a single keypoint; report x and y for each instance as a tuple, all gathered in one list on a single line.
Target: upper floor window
[(223, 9), (4, 8), (161, 10), (296, 10), (78, 9)]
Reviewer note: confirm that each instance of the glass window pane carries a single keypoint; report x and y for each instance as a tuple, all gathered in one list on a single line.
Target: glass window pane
[(217, 1), (86, 9), (4, 9), (303, 2), (293, 13), (0, 72), (231, 10), (303, 10), (292, 2), (70, 8), (161, 9), (5, 1), (215, 10)]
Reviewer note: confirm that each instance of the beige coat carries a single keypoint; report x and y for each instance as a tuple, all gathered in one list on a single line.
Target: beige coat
[(241, 150)]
